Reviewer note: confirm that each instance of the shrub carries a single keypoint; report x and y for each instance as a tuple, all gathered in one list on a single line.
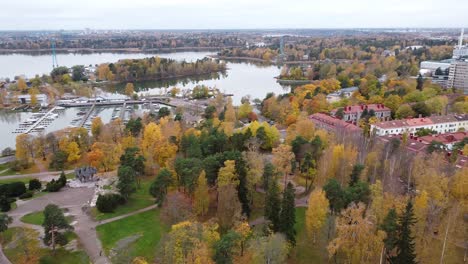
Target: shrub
[(18, 165), (53, 186), (4, 204), (34, 184), (13, 189), (107, 203), (63, 179), (27, 195)]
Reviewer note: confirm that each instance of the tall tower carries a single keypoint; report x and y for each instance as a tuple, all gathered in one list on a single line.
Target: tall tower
[(54, 55), (460, 41)]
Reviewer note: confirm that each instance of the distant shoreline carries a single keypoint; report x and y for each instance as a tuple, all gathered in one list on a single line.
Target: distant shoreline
[(106, 50)]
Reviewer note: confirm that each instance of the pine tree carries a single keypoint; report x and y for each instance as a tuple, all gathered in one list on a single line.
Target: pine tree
[(288, 214), (390, 225), (420, 82), (268, 175), (272, 205), (405, 242), (355, 174)]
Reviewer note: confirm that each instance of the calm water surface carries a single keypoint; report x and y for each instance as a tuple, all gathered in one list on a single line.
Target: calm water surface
[(240, 79)]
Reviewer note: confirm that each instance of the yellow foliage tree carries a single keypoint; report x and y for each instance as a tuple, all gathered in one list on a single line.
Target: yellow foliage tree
[(73, 152), (129, 89), (227, 175), (316, 214), (201, 196), (357, 237), (96, 127), (282, 159)]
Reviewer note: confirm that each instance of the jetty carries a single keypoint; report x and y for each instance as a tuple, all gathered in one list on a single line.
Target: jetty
[(35, 124)]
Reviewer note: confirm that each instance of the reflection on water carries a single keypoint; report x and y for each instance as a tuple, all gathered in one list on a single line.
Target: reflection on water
[(241, 78)]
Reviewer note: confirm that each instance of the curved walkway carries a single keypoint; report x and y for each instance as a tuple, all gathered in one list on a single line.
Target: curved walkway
[(74, 199)]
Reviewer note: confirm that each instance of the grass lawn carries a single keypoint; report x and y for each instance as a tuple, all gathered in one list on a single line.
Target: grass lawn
[(35, 218), (258, 206), (25, 180), (306, 251), (14, 253), (138, 200), (146, 224)]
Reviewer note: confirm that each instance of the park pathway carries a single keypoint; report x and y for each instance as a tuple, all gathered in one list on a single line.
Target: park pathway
[(39, 175), (126, 215)]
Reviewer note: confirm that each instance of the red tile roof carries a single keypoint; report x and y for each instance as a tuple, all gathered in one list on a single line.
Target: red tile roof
[(360, 108), (445, 138), (331, 123)]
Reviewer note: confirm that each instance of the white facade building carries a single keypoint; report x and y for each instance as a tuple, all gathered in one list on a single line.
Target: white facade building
[(440, 124)]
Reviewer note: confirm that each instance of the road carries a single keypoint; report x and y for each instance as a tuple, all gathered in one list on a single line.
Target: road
[(7, 159)]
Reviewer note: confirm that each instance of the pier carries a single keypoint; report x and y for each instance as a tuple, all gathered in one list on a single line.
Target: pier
[(30, 128), (87, 116)]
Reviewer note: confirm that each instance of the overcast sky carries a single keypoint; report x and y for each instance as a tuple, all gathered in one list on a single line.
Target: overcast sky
[(230, 14)]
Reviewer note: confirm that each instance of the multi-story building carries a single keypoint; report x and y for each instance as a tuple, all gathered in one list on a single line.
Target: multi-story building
[(354, 113), (458, 76), (439, 124)]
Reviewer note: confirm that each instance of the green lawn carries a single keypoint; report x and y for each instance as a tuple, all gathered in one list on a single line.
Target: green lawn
[(25, 180), (306, 251), (35, 218), (138, 200), (147, 225), (14, 253)]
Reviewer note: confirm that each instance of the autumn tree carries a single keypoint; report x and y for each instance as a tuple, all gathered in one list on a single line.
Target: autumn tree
[(177, 207), (316, 213), (229, 207), (96, 127), (227, 175), (272, 249), (30, 248), (230, 113), (22, 86), (73, 152), (356, 236), (188, 242), (201, 196), (24, 148), (129, 89), (282, 159)]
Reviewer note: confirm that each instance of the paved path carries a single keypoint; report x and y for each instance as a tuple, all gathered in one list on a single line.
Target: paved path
[(3, 258), (34, 175), (74, 199), (126, 215), (4, 160)]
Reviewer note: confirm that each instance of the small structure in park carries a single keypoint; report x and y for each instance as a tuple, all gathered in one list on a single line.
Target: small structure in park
[(85, 174)]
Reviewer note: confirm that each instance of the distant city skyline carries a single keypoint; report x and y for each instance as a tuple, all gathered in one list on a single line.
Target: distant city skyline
[(227, 14)]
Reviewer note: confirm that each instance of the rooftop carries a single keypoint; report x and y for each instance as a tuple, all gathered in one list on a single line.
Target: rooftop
[(360, 108), (445, 138), (333, 123)]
